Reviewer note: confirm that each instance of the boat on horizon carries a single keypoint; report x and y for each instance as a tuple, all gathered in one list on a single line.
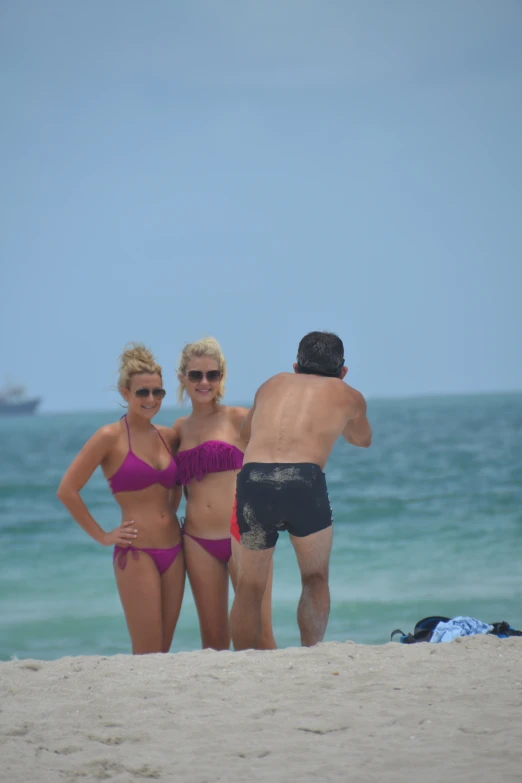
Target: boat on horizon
[(14, 401)]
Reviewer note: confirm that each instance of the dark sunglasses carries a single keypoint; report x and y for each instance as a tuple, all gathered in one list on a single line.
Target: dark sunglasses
[(158, 394), (196, 376)]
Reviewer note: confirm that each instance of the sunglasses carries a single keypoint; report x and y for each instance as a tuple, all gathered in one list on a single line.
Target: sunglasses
[(158, 394), (196, 376)]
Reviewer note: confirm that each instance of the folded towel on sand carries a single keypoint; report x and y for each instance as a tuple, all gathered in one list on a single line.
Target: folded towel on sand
[(458, 626)]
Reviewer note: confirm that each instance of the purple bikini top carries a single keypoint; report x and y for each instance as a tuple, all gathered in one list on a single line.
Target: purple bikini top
[(135, 474), (212, 456)]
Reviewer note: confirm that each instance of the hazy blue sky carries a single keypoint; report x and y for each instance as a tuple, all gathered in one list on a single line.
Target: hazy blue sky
[(256, 170)]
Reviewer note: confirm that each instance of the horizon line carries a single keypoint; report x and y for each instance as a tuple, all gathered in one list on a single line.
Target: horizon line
[(378, 398)]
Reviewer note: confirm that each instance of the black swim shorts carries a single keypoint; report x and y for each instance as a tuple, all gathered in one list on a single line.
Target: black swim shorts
[(274, 496)]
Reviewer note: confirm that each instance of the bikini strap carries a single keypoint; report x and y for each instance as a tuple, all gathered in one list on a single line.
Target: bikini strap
[(159, 433)]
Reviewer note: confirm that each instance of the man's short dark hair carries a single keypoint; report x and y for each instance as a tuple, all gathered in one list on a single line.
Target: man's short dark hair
[(321, 353)]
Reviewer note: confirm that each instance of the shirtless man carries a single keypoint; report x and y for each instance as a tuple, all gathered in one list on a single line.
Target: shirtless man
[(291, 429)]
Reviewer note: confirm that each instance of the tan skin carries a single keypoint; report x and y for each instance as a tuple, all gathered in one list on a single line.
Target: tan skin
[(295, 418), (151, 602), (209, 509)]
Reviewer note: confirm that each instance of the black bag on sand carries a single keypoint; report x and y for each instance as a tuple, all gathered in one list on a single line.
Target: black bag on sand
[(424, 629)]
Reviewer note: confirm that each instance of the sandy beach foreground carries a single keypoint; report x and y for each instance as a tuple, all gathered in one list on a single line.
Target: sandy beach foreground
[(348, 712)]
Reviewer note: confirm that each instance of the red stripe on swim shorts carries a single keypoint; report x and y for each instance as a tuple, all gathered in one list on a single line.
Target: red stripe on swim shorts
[(234, 527)]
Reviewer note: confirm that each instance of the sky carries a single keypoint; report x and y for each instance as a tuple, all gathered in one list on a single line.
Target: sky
[(254, 170)]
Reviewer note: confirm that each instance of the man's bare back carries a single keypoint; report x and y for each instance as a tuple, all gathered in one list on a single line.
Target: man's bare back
[(298, 418), (291, 429)]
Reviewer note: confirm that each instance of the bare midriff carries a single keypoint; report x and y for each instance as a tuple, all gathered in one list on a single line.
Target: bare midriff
[(209, 505), (154, 519)]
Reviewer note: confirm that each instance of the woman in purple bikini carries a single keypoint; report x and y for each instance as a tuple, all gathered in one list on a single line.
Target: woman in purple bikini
[(209, 456), (136, 459)]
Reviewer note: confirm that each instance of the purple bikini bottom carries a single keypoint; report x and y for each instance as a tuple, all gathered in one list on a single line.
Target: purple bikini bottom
[(220, 548), (163, 558)]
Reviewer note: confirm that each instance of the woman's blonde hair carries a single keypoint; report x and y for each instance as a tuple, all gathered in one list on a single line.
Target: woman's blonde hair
[(135, 359), (210, 347)]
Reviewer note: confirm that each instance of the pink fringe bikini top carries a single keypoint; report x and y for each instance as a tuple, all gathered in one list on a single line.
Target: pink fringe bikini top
[(135, 474), (212, 456)]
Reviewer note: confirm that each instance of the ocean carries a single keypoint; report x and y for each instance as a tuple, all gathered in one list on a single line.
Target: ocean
[(427, 521)]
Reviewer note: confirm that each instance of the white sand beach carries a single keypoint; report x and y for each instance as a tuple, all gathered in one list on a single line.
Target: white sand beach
[(448, 712)]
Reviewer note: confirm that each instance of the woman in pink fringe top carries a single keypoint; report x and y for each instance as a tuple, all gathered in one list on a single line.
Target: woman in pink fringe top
[(209, 456)]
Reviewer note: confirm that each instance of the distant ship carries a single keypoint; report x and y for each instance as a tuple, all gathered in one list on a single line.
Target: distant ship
[(13, 401)]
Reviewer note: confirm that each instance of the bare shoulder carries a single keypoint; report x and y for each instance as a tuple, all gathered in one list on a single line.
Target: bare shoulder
[(355, 399), (174, 433), (103, 441), (108, 434), (178, 424), (237, 413), (276, 380), (280, 377), (168, 434)]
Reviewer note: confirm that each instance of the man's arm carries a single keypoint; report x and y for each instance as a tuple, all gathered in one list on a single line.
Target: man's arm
[(358, 431)]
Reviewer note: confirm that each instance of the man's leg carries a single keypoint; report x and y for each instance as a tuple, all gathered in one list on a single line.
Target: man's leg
[(313, 557), (252, 568)]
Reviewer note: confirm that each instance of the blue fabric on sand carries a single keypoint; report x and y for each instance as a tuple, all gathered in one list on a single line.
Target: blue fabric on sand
[(458, 626)]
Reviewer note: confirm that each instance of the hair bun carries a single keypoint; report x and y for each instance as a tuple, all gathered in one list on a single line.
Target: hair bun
[(136, 358), (135, 352)]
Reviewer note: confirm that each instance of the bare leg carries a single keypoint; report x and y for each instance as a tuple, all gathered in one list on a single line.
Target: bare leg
[(209, 582), (266, 640), (139, 586), (313, 556), (252, 569), (172, 589)]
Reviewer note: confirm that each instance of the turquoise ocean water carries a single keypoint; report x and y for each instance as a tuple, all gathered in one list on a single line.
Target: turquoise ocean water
[(427, 521)]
